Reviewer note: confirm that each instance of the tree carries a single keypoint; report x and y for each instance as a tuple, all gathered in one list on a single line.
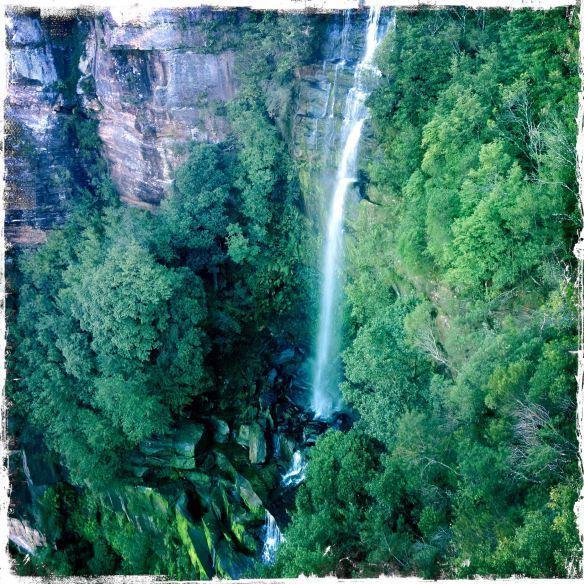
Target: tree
[(113, 348), (384, 375), (194, 216), (324, 536)]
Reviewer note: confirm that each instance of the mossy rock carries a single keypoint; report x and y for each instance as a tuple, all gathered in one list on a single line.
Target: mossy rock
[(175, 450), (203, 485), (142, 506), (224, 464), (249, 496), (230, 562), (243, 436), (194, 539), (257, 444), (220, 430)]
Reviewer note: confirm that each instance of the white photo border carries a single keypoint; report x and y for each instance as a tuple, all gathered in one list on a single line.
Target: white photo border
[(131, 8)]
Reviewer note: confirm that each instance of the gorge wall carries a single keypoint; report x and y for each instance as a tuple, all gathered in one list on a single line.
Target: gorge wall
[(39, 161), (155, 89), (153, 86)]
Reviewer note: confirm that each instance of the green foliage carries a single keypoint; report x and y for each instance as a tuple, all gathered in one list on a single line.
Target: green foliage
[(111, 347), (267, 235), (275, 44), (460, 319), (194, 216), (461, 311), (321, 538), (93, 189), (384, 375), (129, 325)]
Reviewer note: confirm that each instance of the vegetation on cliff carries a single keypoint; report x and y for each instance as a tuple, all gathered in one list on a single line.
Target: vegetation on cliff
[(148, 350), (141, 343), (461, 314)]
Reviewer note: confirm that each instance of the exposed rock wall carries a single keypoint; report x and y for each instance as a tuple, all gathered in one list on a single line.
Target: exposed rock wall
[(323, 88), (39, 159), (156, 89)]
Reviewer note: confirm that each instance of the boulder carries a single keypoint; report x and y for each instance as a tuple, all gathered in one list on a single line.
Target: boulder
[(243, 436), (175, 450), (287, 448), (194, 539), (25, 537), (257, 444), (203, 484), (312, 431), (224, 464), (220, 430), (249, 496), (285, 356)]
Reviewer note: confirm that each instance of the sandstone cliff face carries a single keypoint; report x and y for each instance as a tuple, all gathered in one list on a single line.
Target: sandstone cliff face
[(156, 89), (154, 86)]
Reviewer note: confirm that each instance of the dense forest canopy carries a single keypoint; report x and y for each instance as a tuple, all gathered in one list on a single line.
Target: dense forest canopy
[(461, 314), (139, 338)]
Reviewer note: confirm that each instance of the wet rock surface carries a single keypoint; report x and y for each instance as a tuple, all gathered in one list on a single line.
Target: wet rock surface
[(40, 161), (322, 93)]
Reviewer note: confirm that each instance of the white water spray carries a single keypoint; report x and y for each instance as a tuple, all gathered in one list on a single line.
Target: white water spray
[(26, 470), (325, 391), (272, 539), (296, 472)]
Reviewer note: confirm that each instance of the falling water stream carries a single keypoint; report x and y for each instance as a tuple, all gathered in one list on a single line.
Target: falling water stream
[(325, 393), (272, 539), (295, 474), (325, 387)]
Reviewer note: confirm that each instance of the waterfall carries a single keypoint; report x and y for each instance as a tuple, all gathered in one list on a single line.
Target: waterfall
[(325, 391), (272, 539), (26, 470), (277, 446), (22, 535), (295, 474)]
